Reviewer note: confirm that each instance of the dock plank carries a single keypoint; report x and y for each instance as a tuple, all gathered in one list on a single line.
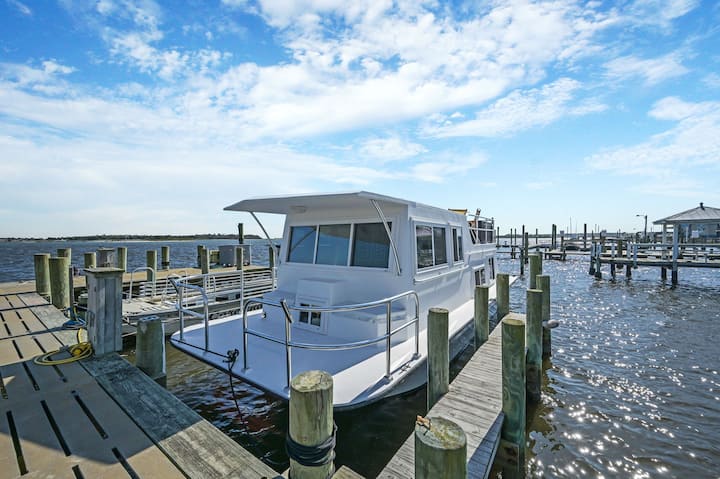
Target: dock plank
[(474, 402)]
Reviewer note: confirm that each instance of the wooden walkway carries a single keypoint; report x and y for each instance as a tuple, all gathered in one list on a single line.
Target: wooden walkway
[(475, 403), (99, 417)]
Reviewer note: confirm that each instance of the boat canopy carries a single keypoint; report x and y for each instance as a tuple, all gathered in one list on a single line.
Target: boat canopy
[(301, 203)]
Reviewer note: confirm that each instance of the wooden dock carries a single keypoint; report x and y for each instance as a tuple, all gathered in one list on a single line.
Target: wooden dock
[(97, 417), (475, 403)]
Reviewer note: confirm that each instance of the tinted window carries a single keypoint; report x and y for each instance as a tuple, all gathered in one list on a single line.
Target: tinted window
[(333, 243), (302, 244), (423, 236), (457, 244), (440, 246), (371, 246)]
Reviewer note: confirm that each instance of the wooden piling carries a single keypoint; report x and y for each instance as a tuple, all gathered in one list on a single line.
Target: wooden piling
[(59, 285), (150, 348), (554, 237), (533, 342), (543, 284), (535, 269), (104, 325), (592, 259), (311, 421), (598, 264), (526, 246), (165, 257), (502, 285), (151, 262), (239, 259), (628, 271), (512, 447), (199, 255), (440, 450), (663, 273), (122, 258), (204, 260), (65, 253), (438, 362), (612, 270), (42, 274), (482, 315), (585, 236), (89, 260)]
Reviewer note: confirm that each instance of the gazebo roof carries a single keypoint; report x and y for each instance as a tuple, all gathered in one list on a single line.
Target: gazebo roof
[(698, 215)]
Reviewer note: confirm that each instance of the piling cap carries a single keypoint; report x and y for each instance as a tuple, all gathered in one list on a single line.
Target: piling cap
[(514, 319), (311, 381), (441, 433)]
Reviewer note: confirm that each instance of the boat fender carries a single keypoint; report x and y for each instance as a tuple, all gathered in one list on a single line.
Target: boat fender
[(552, 324)]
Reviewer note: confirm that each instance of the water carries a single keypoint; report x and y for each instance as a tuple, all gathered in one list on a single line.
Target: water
[(16, 257), (632, 389)]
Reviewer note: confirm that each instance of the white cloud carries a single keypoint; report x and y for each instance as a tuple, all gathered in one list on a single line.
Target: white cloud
[(660, 12), (445, 165), (694, 141), (20, 7), (712, 80), (520, 110), (652, 71), (392, 148)]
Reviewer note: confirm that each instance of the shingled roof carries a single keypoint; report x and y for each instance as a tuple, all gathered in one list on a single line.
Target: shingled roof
[(699, 215)]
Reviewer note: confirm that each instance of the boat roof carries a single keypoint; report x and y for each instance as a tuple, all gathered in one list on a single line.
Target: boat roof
[(304, 202)]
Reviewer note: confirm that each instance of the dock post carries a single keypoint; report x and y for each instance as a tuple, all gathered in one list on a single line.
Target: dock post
[(502, 285), (663, 273), (89, 260), (533, 342), (42, 274), (150, 349), (543, 284), (104, 317), (598, 264), (535, 269), (512, 445), (199, 255), (151, 262), (59, 282), (592, 259), (585, 236), (165, 257), (628, 271), (204, 260), (522, 261), (440, 449), (65, 253), (239, 260), (675, 254), (612, 270), (554, 237), (122, 258), (438, 362), (311, 425), (482, 315)]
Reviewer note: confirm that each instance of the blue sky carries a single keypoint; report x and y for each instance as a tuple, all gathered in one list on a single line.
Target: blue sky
[(137, 116)]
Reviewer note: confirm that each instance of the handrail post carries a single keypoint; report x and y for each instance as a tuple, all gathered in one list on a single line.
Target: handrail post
[(181, 315), (388, 338), (245, 340), (206, 312), (417, 326)]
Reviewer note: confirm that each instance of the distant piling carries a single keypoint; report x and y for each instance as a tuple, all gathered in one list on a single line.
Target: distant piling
[(482, 315), (165, 257), (204, 260), (42, 274), (239, 259), (59, 286), (438, 362), (89, 260), (535, 269), (151, 262), (502, 285), (122, 258)]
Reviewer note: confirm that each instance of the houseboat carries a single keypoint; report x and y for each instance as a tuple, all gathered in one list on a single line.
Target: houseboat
[(356, 274)]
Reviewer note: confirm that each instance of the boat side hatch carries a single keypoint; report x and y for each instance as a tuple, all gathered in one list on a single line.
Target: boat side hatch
[(314, 293)]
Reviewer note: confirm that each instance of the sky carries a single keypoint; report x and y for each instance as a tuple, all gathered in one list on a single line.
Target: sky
[(149, 117)]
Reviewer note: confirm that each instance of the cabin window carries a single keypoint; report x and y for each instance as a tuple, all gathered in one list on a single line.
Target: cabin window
[(371, 245), (431, 246), (457, 244), (330, 244), (333, 244), (302, 244), (308, 317)]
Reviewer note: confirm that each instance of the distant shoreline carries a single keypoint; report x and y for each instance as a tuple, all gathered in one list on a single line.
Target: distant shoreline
[(209, 236)]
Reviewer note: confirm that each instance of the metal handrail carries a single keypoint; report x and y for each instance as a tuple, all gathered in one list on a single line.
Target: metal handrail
[(132, 273), (289, 344), (181, 285)]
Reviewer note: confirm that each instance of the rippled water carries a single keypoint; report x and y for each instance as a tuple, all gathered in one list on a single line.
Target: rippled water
[(632, 389)]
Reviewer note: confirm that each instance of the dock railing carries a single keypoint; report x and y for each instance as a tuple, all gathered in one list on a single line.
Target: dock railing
[(482, 230), (289, 344)]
